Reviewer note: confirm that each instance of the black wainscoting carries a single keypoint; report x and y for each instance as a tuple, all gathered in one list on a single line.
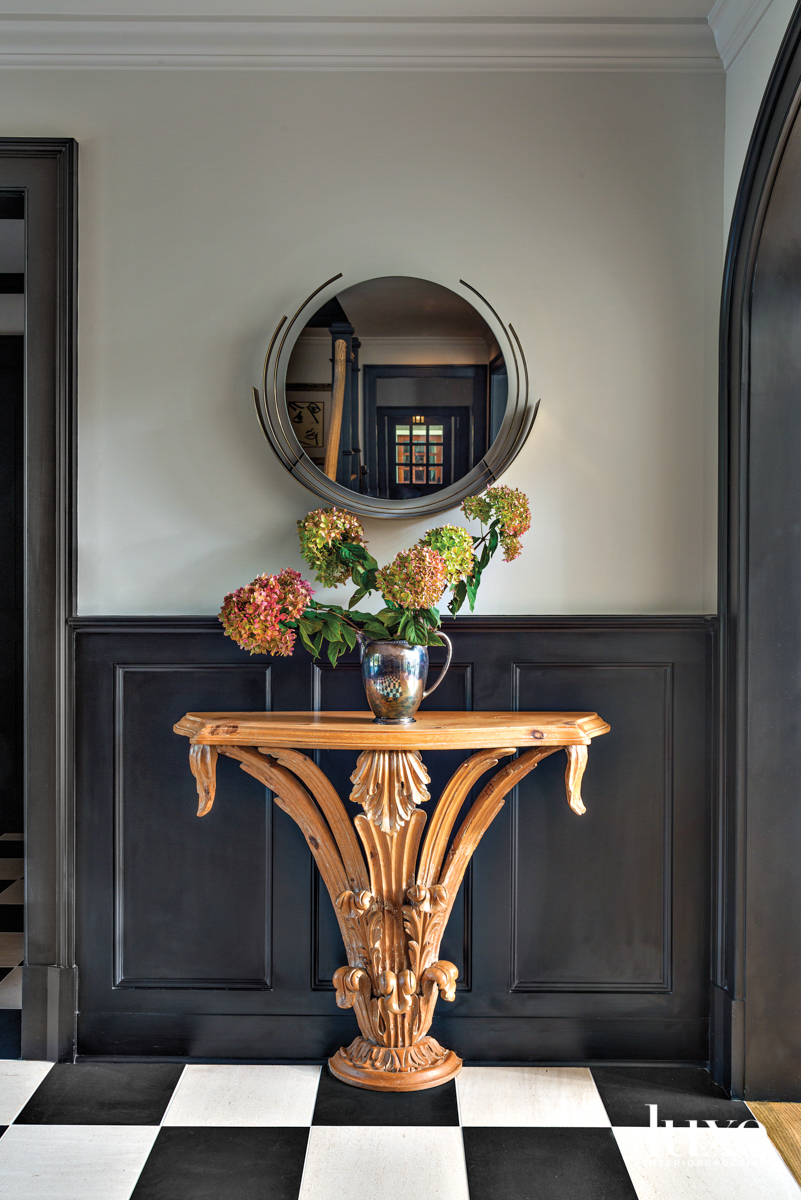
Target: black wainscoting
[(577, 938)]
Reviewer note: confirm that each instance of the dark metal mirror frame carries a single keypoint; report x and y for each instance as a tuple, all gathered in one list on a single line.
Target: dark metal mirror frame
[(272, 414)]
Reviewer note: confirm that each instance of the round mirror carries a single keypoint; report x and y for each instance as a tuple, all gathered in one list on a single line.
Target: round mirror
[(395, 396)]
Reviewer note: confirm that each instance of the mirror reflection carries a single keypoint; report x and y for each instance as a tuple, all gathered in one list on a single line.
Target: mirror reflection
[(396, 388)]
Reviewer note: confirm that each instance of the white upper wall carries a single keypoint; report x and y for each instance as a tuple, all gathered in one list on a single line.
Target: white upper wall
[(586, 206), (585, 203)]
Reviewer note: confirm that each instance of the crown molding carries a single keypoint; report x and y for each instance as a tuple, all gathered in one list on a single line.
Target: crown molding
[(732, 22), (230, 43)]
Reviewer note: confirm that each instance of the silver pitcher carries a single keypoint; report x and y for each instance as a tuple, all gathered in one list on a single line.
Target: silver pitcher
[(394, 675)]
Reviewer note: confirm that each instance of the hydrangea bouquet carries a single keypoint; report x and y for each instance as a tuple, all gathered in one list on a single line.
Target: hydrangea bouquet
[(266, 615)]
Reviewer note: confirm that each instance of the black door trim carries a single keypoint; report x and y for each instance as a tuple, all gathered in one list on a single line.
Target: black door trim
[(775, 120), (46, 170)]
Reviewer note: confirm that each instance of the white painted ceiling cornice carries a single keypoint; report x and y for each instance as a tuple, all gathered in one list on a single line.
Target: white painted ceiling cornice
[(733, 22), (348, 43), (378, 34)]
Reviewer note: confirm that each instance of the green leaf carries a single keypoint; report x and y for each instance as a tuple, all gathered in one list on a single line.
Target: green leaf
[(304, 637), (492, 545), (358, 595), (375, 629), (333, 653), (472, 589), (333, 629), (349, 636), (459, 597), (392, 620)]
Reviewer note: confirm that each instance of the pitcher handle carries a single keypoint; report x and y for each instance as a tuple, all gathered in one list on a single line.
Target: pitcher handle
[(441, 675)]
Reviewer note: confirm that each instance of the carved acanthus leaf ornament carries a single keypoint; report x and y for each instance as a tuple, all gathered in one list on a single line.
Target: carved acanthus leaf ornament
[(389, 784)]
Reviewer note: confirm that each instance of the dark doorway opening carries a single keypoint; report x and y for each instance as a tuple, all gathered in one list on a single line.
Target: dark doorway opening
[(38, 181), (453, 400), (12, 506)]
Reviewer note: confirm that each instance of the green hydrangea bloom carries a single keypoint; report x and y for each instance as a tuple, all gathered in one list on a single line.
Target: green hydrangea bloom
[(414, 579), (509, 506), (455, 545), (320, 533)]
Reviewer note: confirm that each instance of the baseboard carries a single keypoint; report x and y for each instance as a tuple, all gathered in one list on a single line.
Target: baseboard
[(48, 1013)]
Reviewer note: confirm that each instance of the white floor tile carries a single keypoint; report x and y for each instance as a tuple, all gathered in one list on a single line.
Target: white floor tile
[(244, 1095), (11, 949), (14, 893), (11, 989), (727, 1164), (18, 1082), (12, 868), (543, 1096), (73, 1162), (383, 1163)]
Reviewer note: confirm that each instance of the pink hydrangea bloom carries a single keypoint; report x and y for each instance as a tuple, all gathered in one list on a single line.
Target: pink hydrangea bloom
[(254, 615)]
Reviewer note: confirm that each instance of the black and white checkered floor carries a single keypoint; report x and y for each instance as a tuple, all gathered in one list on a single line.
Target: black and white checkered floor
[(108, 1131), (163, 1131), (11, 924)]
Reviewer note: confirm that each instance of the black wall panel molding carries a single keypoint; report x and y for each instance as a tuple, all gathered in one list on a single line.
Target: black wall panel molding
[(757, 833), (137, 905), (642, 864), (45, 170), (213, 938)]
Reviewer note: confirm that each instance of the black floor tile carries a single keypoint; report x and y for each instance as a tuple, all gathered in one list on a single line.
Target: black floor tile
[(545, 1164), (682, 1094), (224, 1164), (12, 918), (10, 1033), (102, 1094), (340, 1104)]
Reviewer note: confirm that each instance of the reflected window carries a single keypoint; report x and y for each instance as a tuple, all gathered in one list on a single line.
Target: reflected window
[(421, 447)]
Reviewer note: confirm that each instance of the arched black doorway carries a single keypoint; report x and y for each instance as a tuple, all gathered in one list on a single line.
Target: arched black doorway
[(757, 964)]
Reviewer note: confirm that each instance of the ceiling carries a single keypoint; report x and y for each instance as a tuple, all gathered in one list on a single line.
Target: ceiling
[(402, 306)]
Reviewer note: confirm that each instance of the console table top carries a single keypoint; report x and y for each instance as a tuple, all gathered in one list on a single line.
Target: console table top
[(358, 730)]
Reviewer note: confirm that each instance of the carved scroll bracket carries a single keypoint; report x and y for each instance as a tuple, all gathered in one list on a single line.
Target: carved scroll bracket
[(574, 773), (203, 762)]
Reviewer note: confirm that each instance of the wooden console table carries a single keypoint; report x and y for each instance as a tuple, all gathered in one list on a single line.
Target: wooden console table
[(391, 896)]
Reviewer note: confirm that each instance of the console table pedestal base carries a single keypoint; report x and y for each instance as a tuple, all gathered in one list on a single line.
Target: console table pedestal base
[(392, 890)]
